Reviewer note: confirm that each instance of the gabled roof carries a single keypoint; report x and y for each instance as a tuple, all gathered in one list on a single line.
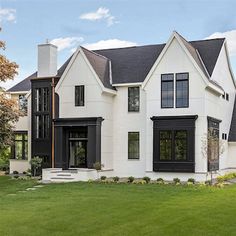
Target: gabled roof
[(132, 64), (100, 65)]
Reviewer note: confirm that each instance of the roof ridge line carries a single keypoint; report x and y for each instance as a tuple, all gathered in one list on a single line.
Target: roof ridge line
[(95, 53)]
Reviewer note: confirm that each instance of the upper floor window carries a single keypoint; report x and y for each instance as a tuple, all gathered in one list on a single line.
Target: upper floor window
[(167, 90), (133, 145), (182, 96), (133, 99), (23, 103), (79, 95), (42, 99)]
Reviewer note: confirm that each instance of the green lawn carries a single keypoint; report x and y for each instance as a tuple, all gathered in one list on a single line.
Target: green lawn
[(115, 209)]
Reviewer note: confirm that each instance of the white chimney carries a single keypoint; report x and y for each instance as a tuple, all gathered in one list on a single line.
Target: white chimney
[(47, 60)]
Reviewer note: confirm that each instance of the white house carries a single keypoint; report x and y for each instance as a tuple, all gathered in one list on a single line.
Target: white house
[(139, 111)]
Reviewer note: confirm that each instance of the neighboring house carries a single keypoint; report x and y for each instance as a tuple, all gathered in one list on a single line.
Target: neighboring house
[(139, 111), (19, 151)]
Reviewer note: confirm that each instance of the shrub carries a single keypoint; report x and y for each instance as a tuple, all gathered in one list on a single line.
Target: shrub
[(16, 176), (15, 172), (208, 182), (191, 180), (103, 177), (160, 181), (116, 178), (24, 172), (97, 165), (221, 179), (36, 163), (5, 154), (147, 179), (130, 179), (176, 180)]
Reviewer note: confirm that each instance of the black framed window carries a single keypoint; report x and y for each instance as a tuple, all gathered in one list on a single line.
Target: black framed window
[(227, 96), (167, 90), (133, 145), (165, 145), (133, 99), (182, 90), (23, 103), (173, 145), (181, 145), (20, 146), (42, 126), (79, 95)]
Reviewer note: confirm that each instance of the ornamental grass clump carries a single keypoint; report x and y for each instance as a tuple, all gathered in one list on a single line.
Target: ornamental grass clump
[(176, 181)]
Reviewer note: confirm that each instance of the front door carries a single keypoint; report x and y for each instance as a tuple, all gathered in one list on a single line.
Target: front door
[(77, 156), (78, 148)]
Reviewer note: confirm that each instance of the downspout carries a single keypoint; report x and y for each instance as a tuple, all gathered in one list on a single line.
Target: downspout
[(53, 117)]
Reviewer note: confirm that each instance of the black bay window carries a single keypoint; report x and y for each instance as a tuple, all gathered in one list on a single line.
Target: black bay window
[(182, 90), (133, 99), (174, 143), (79, 95), (20, 146), (167, 90), (133, 145)]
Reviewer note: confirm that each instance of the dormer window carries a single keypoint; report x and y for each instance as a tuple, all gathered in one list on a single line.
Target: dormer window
[(79, 95)]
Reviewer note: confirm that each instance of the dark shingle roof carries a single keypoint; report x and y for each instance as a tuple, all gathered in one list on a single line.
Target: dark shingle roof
[(101, 66), (132, 64), (24, 85)]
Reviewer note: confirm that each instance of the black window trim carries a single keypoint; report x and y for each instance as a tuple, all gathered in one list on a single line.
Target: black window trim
[(176, 88), (83, 101), (137, 158), (173, 90), (129, 110), (13, 155)]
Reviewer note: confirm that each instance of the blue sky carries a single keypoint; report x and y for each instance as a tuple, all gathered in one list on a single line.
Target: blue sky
[(108, 23)]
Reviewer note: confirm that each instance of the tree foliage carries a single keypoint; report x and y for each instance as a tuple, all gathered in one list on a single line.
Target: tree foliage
[(9, 112)]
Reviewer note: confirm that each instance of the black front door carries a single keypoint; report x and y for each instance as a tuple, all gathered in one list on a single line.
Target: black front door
[(78, 154), (78, 148)]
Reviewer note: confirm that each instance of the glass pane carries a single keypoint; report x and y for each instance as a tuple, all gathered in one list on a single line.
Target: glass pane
[(133, 145), (133, 99), (18, 150), (23, 103), (165, 145), (18, 137), (182, 93), (181, 145), (77, 154), (79, 95), (26, 150), (167, 91)]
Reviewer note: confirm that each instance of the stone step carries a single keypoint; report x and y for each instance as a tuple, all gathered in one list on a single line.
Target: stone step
[(61, 178), (63, 174)]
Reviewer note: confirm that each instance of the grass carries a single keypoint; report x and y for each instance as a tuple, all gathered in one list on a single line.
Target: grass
[(115, 209)]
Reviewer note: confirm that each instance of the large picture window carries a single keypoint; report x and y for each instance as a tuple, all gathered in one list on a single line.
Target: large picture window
[(20, 147), (173, 140), (133, 145), (182, 90), (167, 90), (133, 99), (79, 95)]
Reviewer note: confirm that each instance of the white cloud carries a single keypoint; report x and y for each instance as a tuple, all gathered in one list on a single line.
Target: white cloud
[(102, 13), (7, 14), (65, 43), (109, 43), (230, 38)]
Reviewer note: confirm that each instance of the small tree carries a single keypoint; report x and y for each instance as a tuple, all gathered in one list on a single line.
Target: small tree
[(9, 113), (36, 163), (212, 149)]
